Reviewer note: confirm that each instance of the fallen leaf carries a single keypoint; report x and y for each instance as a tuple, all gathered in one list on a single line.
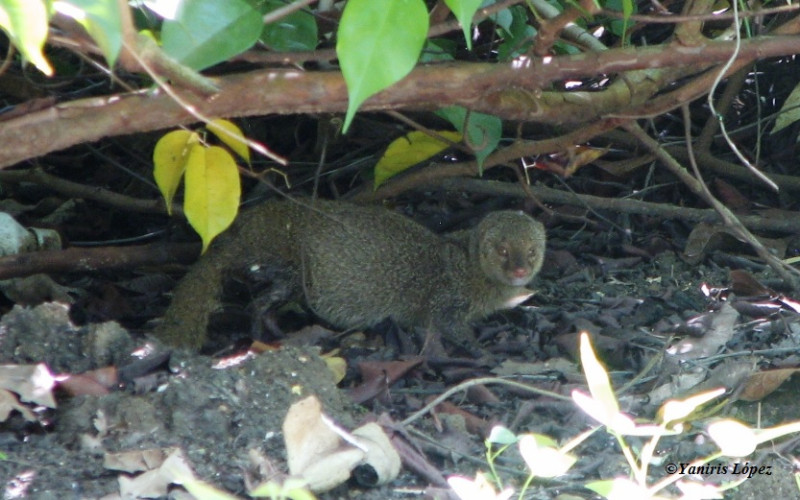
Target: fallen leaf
[(95, 383), (745, 284), (9, 403), (475, 424), (136, 460), (761, 384), (382, 462), (310, 443), (33, 383), (719, 332), (378, 376), (325, 455), (705, 238), (730, 196)]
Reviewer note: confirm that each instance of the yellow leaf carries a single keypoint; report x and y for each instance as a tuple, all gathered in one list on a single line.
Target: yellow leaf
[(25, 24), (169, 161), (338, 367), (583, 155), (231, 136), (407, 151), (212, 191)]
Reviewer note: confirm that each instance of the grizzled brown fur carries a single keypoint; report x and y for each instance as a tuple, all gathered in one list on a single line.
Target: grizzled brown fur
[(357, 265)]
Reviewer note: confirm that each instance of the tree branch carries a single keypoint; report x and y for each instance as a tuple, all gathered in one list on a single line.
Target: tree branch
[(509, 91), (785, 222)]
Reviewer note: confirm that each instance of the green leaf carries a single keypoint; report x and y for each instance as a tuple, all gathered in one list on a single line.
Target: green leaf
[(503, 18), (738, 440), (597, 377), (378, 43), (733, 438), (25, 23), (169, 161), (771, 433), (676, 410), (620, 27), (439, 49), (501, 435), (483, 131), (517, 33), (295, 32), (790, 111), (543, 458), (480, 488), (561, 47), (101, 19), (627, 12), (212, 191), (409, 150), (464, 10), (205, 32)]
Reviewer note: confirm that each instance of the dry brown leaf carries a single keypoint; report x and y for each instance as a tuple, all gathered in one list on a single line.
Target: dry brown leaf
[(307, 437), (706, 238), (730, 374), (583, 155), (94, 383), (624, 168), (678, 384), (745, 284), (33, 383), (761, 384), (378, 376), (137, 460), (150, 484), (730, 196), (9, 403), (382, 461), (719, 332), (475, 424), (324, 454)]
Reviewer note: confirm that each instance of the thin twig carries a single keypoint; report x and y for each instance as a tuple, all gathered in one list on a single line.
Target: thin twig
[(96, 259), (277, 14), (76, 190), (463, 386), (720, 75), (787, 273), (677, 18), (789, 223)]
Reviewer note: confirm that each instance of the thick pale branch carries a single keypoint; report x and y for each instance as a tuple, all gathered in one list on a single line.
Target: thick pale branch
[(510, 91)]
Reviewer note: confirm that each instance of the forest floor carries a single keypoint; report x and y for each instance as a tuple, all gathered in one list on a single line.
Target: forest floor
[(113, 403)]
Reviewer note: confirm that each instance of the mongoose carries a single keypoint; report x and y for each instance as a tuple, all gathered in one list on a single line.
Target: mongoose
[(357, 265)]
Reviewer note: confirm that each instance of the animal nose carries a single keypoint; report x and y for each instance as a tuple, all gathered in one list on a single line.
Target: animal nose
[(519, 272)]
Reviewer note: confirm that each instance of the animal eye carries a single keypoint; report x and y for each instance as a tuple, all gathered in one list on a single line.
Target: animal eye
[(532, 252), (502, 250)]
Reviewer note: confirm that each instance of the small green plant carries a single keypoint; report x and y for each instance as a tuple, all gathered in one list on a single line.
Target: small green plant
[(544, 458)]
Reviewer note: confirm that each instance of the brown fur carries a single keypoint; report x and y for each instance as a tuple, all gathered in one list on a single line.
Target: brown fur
[(357, 265)]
